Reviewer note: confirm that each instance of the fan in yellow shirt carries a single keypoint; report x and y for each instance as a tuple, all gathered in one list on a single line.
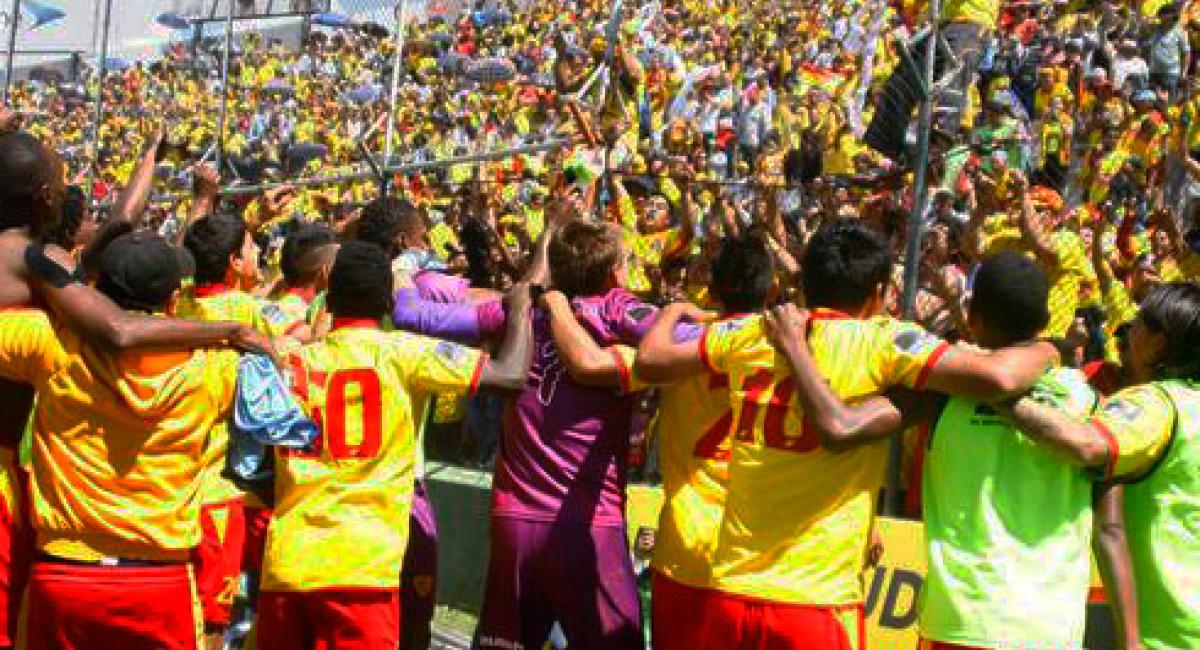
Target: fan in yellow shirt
[(334, 550), (793, 538)]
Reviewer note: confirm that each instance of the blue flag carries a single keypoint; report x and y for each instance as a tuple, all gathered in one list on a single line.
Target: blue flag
[(39, 13)]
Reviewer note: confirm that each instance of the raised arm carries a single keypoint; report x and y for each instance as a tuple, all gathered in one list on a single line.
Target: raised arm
[(509, 369), (131, 203), (1112, 558), (839, 426), (1032, 232)]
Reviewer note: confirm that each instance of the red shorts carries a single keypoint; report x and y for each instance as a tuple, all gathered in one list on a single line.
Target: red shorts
[(330, 619), (675, 609), (117, 608), (740, 623), (257, 522), (16, 546), (218, 559)]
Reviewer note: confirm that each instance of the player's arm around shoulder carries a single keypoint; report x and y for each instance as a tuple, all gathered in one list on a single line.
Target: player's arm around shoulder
[(662, 359), (839, 425), (588, 363), (989, 375), (508, 369)]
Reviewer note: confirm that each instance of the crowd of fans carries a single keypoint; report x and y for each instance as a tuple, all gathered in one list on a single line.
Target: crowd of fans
[(684, 122)]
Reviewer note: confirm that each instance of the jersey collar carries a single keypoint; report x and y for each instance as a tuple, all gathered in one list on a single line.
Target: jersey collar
[(305, 294), (823, 313), (355, 323), (210, 289)]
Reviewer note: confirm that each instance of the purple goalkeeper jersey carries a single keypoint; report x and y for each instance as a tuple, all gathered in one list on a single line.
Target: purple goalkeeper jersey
[(565, 447)]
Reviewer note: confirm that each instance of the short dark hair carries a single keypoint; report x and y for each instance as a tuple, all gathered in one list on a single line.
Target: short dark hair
[(844, 264), (212, 240), (1173, 310), (382, 220), (299, 243), (26, 166), (582, 256), (360, 284), (743, 273), (1009, 296)]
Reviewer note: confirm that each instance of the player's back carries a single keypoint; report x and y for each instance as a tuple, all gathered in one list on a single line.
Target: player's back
[(797, 516), (1008, 527), (341, 511), (116, 442), (218, 302), (564, 453), (694, 422)]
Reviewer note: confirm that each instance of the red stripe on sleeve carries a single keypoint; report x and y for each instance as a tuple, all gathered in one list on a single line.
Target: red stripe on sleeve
[(704, 359), (1114, 449), (932, 361), (623, 369), (477, 374)]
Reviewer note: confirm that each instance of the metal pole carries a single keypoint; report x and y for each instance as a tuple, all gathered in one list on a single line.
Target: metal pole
[(238, 190), (98, 119), (396, 65), (916, 231), (12, 46), (223, 109)]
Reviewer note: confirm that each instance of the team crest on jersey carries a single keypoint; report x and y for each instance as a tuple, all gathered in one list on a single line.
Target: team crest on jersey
[(913, 341), (639, 313), (273, 314), (451, 352), (729, 326), (1123, 410)]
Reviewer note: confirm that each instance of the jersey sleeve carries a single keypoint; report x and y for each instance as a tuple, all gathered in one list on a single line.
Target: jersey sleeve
[(294, 314), (271, 319), (719, 342), (221, 368), (27, 345), (455, 321), (1136, 423), (436, 366), (907, 354), (624, 356)]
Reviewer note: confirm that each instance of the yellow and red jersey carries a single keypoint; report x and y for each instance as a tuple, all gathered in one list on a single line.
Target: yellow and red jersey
[(342, 507), (694, 421), (797, 517), (116, 440), (219, 302), (293, 308)]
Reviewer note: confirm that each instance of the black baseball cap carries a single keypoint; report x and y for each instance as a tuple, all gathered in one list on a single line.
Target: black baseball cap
[(140, 271)]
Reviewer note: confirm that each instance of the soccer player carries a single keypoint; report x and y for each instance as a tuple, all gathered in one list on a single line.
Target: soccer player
[(305, 260), (335, 547), (694, 422), (31, 199), (115, 469), (559, 550), (1146, 436), (1007, 534), (798, 516), (227, 268)]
